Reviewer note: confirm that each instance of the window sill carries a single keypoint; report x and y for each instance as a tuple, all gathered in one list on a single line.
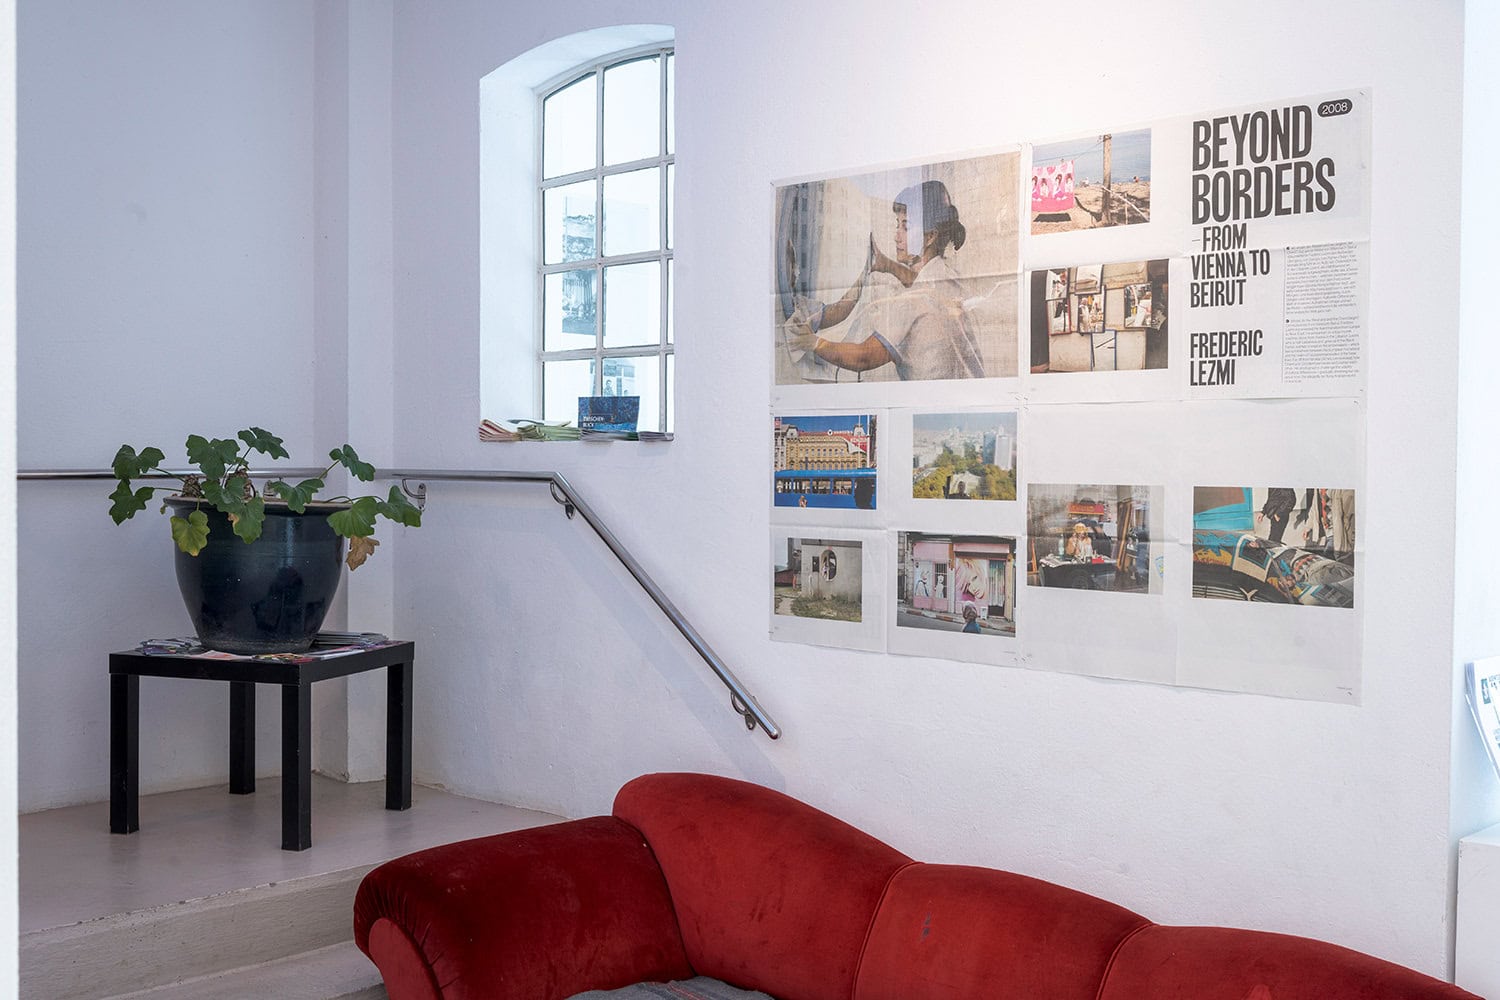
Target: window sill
[(490, 432)]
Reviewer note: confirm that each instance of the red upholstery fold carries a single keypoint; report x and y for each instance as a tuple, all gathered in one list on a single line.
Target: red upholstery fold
[(771, 894), (949, 932), (533, 915), (1222, 963), (405, 972)]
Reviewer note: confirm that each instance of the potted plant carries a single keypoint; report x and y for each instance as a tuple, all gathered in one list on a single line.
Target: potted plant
[(258, 567)]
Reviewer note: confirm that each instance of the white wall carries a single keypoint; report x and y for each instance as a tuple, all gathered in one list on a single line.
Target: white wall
[(546, 678), (1476, 790), (9, 916), (173, 181), (165, 287)]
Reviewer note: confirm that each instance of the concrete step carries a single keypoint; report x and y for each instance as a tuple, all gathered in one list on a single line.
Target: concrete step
[(337, 972), (132, 952), (204, 888)]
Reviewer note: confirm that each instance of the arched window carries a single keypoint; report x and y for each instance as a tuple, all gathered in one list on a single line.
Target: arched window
[(604, 275)]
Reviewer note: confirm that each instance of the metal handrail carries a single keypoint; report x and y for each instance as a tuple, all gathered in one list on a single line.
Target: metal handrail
[(414, 483)]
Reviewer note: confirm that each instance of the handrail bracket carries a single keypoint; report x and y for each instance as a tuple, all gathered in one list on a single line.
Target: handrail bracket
[(417, 494), (563, 498)]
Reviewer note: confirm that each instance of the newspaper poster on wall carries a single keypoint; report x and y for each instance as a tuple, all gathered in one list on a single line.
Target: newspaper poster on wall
[(1091, 182), (1100, 317), (1278, 267), (955, 596), (900, 275), (1193, 296), (825, 461), (1275, 544), (826, 587), (964, 457), (1258, 219)]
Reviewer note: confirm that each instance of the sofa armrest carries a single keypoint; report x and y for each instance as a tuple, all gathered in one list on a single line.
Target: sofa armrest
[(537, 914)]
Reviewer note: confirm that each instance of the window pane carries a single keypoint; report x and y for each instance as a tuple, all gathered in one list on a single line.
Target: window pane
[(671, 204), (568, 311), (568, 222), (671, 300), (671, 105), (671, 385), (632, 212), (637, 377), (632, 111), (569, 126), (562, 383), (632, 304)]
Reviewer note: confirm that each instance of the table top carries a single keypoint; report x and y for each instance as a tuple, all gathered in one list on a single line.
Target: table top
[(275, 668)]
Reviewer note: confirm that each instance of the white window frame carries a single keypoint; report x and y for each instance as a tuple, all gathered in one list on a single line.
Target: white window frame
[(664, 350)]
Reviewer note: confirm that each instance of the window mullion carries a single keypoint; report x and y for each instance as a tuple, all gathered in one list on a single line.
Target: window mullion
[(662, 199), (642, 257), (599, 231)]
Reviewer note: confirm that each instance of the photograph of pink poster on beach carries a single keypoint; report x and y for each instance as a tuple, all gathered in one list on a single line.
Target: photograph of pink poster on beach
[(1052, 187)]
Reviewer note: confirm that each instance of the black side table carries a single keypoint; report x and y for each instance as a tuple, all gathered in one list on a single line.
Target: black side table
[(296, 678)]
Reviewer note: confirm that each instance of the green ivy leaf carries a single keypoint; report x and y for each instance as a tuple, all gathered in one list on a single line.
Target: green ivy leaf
[(263, 441), (297, 497), (128, 465), (191, 534), (249, 519), (126, 503), (346, 457), (401, 510), (229, 497), (358, 521), (211, 456)]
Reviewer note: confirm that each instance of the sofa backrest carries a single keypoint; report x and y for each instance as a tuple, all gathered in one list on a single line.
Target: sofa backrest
[(950, 932), (770, 893), (1222, 963)]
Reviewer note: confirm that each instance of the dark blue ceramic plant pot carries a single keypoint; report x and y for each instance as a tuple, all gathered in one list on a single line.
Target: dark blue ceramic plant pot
[(265, 596)]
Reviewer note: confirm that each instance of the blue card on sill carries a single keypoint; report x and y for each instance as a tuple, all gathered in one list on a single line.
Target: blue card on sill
[(608, 414)]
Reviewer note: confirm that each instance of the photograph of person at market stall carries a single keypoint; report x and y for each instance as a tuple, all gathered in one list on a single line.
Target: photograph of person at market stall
[(907, 274), (820, 578), (963, 456), (824, 461), (1093, 317), (956, 583), (1091, 182), (1275, 545), (1094, 537)]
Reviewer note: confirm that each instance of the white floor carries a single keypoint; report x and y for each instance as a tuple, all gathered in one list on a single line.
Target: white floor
[(203, 896), (204, 841)]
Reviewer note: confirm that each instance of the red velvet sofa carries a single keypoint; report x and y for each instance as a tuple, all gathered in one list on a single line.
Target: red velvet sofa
[(707, 876)]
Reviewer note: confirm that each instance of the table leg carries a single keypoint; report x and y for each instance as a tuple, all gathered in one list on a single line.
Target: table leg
[(398, 736), (241, 737), (296, 766), (124, 752)]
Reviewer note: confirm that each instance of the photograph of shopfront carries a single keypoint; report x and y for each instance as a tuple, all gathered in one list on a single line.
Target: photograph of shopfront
[(956, 583)]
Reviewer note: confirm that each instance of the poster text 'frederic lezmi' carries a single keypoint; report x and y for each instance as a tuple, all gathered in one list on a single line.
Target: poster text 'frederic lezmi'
[(1255, 165)]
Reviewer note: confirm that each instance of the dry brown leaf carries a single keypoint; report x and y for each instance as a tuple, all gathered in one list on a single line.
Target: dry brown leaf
[(360, 549)]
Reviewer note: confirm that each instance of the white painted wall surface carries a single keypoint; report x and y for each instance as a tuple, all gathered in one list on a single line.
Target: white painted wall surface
[(165, 287), (546, 679), (1475, 798), (9, 915)]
